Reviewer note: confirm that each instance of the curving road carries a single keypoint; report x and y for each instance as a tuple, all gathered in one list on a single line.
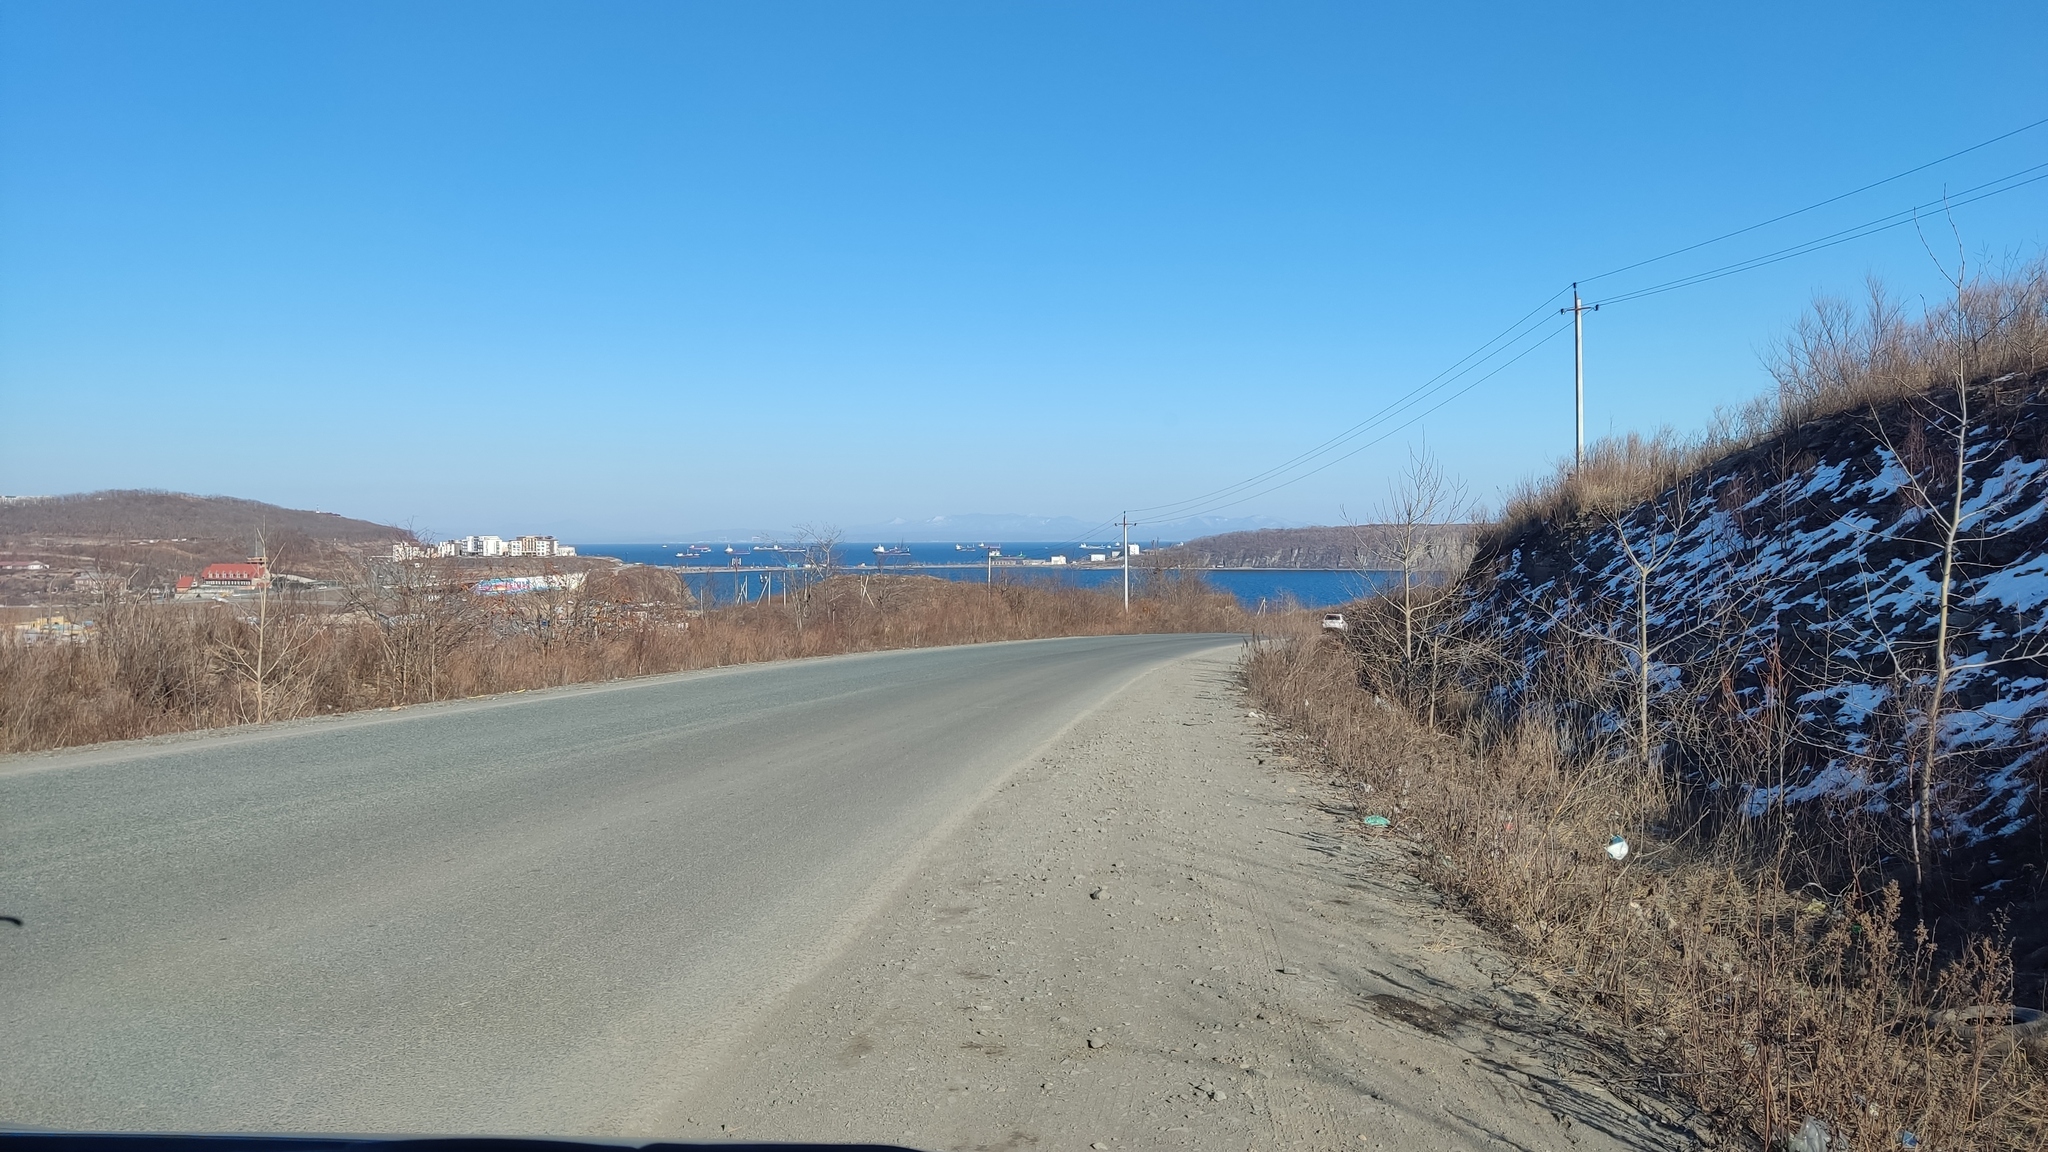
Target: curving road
[(540, 913)]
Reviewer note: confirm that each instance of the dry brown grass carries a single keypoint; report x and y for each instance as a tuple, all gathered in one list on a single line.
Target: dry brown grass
[(1769, 1004), (1837, 358), (152, 667)]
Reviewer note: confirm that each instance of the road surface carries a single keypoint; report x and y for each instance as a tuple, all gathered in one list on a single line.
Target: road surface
[(1164, 933), (543, 913)]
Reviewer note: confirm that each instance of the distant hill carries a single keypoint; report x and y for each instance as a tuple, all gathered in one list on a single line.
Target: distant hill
[(151, 538), (1344, 546), (132, 516)]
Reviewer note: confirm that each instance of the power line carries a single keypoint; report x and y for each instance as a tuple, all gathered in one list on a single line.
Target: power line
[(1500, 343), (1559, 330), (1240, 492), (1392, 408), (1855, 232), (1816, 204)]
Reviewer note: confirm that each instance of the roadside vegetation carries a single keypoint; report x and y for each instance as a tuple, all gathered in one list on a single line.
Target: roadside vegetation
[(415, 632), (1794, 970)]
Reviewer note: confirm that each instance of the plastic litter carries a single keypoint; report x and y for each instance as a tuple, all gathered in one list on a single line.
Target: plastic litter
[(1813, 1136), (1376, 822), (1908, 1140), (1617, 847)]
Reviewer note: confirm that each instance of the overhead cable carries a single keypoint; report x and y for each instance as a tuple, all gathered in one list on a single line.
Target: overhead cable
[(1500, 343), (1884, 223), (1816, 204), (1559, 330), (1296, 468)]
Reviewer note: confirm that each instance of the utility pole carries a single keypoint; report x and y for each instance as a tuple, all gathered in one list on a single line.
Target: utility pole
[(1127, 561), (1578, 312)]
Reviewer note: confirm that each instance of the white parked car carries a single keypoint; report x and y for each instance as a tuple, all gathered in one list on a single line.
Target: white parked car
[(1333, 621)]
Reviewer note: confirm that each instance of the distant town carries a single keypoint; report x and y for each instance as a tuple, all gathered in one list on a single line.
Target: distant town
[(483, 546)]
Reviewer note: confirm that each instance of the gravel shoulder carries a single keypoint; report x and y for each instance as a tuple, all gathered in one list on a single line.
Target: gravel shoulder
[(1157, 933)]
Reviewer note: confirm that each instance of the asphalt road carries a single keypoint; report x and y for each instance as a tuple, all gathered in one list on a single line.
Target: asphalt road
[(542, 913)]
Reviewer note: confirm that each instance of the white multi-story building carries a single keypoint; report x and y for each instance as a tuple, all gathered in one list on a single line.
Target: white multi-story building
[(537, 546), (499, 546)]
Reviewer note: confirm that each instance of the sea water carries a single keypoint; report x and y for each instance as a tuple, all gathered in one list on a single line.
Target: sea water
[(762, 570)]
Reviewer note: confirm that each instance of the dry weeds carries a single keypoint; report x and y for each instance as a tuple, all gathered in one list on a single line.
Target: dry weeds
[(1771, 1004), (152, 667)]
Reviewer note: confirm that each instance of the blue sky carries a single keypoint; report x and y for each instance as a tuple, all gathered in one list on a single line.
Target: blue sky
[(625, 271)]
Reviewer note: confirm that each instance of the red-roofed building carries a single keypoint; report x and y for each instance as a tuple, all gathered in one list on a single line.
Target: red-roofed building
[(234, 577)]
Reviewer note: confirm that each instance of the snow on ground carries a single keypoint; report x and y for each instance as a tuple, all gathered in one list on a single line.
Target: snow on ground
[(1829, 573)]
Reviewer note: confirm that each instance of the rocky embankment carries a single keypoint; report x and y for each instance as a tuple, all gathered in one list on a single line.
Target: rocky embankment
[(1789, 595)]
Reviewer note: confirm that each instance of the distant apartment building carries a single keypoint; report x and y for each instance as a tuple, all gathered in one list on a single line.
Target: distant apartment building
[(538, 546), (492, 546)]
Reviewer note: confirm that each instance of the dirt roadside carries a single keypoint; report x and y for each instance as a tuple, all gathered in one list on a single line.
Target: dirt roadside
[(1160, 935)]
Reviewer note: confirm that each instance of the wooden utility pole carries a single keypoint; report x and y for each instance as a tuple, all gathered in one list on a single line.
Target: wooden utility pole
[(1578, 312)]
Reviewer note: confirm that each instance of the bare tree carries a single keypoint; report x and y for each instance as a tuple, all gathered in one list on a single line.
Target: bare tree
[(1952, 525), (266, 652), (1668, 520), (820, 545), (1981, 326), (1621, 617), (1418, 541), (421, 609)]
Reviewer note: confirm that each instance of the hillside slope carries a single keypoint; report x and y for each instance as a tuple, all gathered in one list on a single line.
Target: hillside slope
[(1793, 589), (149, 538), (124, 516)]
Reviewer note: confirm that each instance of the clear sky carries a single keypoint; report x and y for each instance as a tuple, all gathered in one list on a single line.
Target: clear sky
[(627, 270)]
